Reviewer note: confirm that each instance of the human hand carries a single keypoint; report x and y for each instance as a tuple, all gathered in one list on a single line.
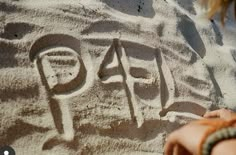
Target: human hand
[(186, 140), (221, 113)]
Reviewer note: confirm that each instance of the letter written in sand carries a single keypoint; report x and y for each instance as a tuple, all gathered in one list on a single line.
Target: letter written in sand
[(62, 72), (136, 67)]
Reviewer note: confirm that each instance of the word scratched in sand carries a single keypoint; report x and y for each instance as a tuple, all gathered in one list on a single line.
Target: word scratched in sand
[(124, 63), (137, 67)]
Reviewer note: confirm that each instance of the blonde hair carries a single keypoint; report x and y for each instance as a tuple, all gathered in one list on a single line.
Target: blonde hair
[(219, 5)]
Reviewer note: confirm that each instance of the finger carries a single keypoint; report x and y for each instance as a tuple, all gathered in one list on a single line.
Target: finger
[(180, 150), (215, 113), (176, 150), (169, 148), (170, 143)]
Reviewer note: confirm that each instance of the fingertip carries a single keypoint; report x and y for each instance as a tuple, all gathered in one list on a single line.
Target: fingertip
[(206, 115), (210, 114), (168, 148)]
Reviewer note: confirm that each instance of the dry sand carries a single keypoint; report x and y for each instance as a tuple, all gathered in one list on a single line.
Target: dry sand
[(109, 76)]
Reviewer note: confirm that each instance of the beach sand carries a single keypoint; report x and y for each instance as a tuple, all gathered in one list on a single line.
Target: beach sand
[(103, 77)]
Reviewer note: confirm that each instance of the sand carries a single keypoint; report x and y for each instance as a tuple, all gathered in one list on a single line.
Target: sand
[(109, 77)]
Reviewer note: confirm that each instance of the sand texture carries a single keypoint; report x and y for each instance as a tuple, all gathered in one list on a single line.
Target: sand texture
[(104, 77)]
